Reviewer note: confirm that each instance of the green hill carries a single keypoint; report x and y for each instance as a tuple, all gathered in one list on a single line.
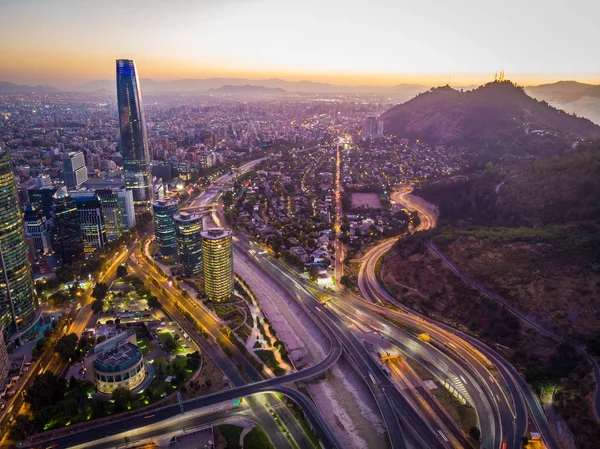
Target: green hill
[(498, 113)]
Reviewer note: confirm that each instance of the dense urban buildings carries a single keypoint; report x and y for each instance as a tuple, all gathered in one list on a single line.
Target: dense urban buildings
[(18, 304), (188, 229), (164, 227), (217, 263), (133, 142), (75, 171)]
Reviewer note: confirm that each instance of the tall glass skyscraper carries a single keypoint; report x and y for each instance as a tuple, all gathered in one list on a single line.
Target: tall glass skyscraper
[(164, 227), (68, 242), (188, 228), (18, 304), (133, 141), (217, 263)]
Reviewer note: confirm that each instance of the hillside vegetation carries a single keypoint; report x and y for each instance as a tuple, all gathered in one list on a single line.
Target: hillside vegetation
[(498, 115), (529, 233)]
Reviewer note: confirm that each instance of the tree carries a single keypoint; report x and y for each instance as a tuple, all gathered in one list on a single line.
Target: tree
[(313, 272), (64, 273), (475, 433), (19, 428), (66, 347), (169, 342), (122, 397), (153, 302), (100, 290), (193, 361), (121, 271), (47, 389), (98, 305), (178, 372)]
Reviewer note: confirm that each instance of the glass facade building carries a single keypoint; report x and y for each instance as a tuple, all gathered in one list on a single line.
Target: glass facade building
[(111, 210), (18, 304), (188, 228), (42, 198), (217, 263), (67, 238), (133, 141), (91, 220), (164, 227)]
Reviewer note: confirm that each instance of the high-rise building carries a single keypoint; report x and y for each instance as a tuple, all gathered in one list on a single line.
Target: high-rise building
[(164, 227), (111, 210), (42, 199), (75, 172), (38, 228), (380, 128), (217, 263), (188, 228), (133, 142), (370, 129), (91, 221), (67, 238), (127, 209), (18, 304)]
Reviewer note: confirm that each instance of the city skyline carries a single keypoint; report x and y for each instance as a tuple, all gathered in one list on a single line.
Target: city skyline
[(427, 42)]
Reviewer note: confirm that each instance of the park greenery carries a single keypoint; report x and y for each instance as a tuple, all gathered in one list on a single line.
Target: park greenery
[(55, 402)]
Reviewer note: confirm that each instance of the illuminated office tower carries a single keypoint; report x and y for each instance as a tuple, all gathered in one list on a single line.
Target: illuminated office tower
[(91, 221), (67, 239), (127, 209), (188, 228), (111, 210), (18, 304), (75, 172), (217, 263), (164, 227), (38, 228), (133, 142)]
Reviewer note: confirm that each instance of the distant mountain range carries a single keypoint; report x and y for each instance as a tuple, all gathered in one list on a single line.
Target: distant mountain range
[(10, 88), (564, 91), (203, 85), (576, 98), (498, 111), (573, 97), (249, 89)]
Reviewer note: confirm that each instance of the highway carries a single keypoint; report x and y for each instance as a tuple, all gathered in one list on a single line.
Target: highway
[(370, 288), (486, 398), (593, 362), (453, 356), (173, 301)]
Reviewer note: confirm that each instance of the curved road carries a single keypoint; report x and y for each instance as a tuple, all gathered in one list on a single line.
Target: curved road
[(369, 283)]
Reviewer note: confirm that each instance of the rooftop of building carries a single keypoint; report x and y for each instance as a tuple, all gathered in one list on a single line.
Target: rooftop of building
[(164, 203), (119, 358), (187, 217), (111, 342), (215, 233), (99, 183)]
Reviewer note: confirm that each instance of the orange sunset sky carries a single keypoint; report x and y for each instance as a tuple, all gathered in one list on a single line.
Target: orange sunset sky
[(377, 42)]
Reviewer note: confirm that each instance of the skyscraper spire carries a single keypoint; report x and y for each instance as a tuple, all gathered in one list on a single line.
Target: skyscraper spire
[(133, 142)]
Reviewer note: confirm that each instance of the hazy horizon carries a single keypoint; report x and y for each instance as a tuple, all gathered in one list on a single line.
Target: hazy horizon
[(66, 43)]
